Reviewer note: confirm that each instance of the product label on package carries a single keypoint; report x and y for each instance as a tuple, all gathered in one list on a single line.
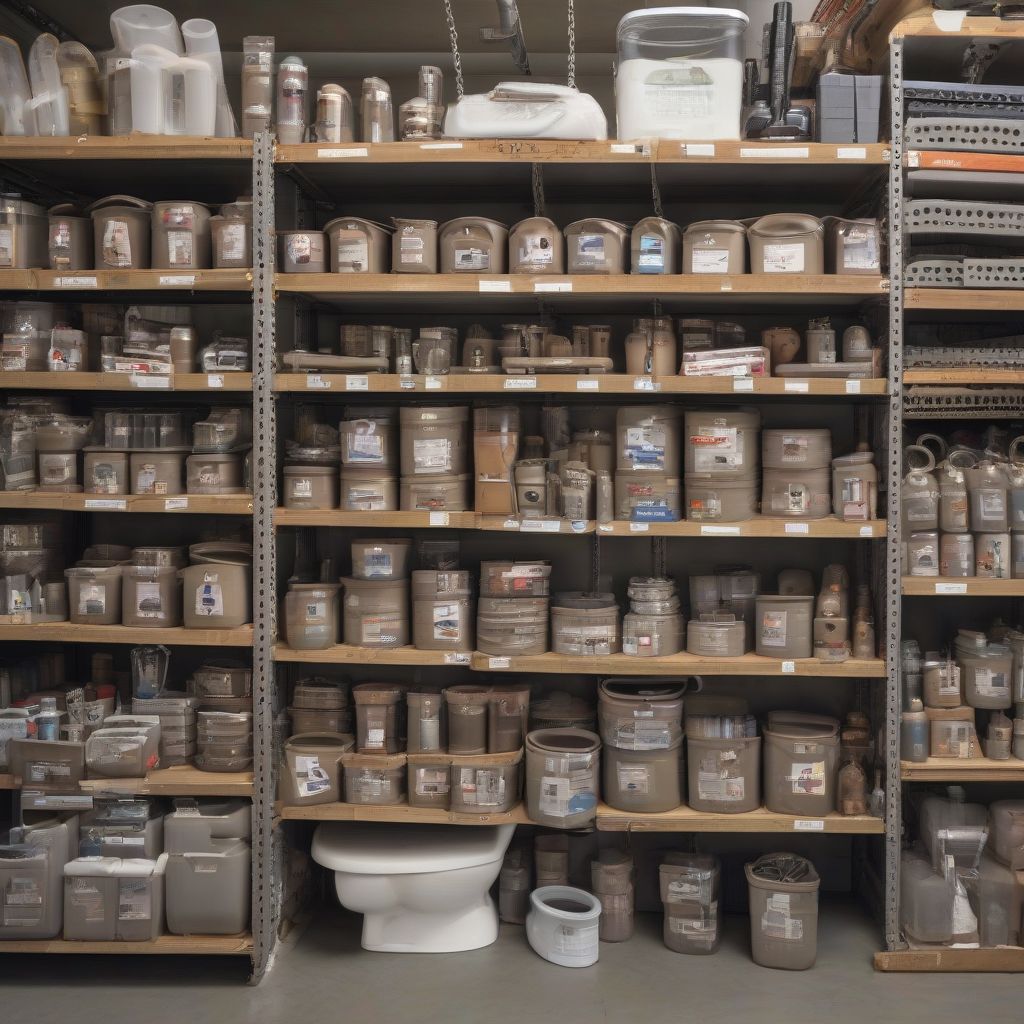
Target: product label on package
[(794, 448), (860, 248), (378, 565), (808, 779), (87, 899), (576, 942), (364, 449), (447, 622), (784, 258), (378, 629), (432, 455), (472, 259), (710, 261), (777, 921), (714, 783), (351, 252), (6, 247), (92, 599), (299, 249), (301, 487), (148, 604), (133, 899), (431, 781), (590, 251), (179, 249), (651, 259), (990, 683), (645, 447), (679, 94), (536, 252), (210, 596), (117, 244), (482, 787), (716, 447), (410, 249), (773, 629), (232, 243), (310, 778), (634, 779)]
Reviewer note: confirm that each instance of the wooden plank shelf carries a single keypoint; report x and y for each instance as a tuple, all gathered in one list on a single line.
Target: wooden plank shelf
[(965, 376), (9, 782), (967, 299), (743, 288), (124, 147), (941, 960), (970, 586), (79, 633), (761, 526), (181, 780), (41, 381), (609, 664), (165, 945), (87, 281), (185, 504), (962, 769), (686, 819), (570, 384), (925, 26), (401, 813)]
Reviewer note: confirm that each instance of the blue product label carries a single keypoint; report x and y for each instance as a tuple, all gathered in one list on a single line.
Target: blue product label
[(584, 801), (660, 513), (651, 259)]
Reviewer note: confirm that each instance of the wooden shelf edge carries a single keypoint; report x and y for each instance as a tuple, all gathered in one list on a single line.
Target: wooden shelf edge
[(182, 780), (401, 813), (998, 960), (165, 945), (91, 281), (43, 381), (964, 298), (73, 632), (196, 504), (923, 25), (955, 377), (125, 147), (974, 769), (685, 819), (960, 586)]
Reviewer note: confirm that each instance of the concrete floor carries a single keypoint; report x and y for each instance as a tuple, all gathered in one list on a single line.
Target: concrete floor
[(322, 975)]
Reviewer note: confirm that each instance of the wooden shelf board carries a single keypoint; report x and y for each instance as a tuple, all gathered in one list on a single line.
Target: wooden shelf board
[(451, 151), (570, 384), (765, 526), (74, 632), (925, 26), (125, 147), (483, 287), (182, 780), (165, 945), (42, 381), (611, 664), (8, 782), (963, 376), (971, 586), (956, 769), (196, 504), (998, 960), (965, 298), (686, 819), (87, 281), (400, 813)]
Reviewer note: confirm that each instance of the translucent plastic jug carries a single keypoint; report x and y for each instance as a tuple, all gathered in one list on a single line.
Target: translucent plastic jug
[(202, 43), (49, 97), (920, 496), (953, 504), (14, 91), (986, 488)]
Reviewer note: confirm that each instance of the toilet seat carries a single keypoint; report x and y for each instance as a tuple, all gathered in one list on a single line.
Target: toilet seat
[(373, 848)]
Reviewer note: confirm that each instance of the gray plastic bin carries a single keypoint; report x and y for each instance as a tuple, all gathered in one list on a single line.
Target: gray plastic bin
[(208, 893), (783, 913)]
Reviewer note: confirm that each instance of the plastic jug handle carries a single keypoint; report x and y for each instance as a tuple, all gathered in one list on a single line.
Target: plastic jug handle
[(1015, 444), (930, 440), (914, 453)]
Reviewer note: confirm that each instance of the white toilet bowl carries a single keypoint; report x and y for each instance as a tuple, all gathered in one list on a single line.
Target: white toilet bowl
[(421, 888)]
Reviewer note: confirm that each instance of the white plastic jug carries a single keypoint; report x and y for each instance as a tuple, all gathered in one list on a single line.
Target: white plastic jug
[(49, 102), (920, 491)]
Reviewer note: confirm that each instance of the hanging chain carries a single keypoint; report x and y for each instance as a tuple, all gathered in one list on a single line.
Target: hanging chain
[(456, 56), (656, 191), (572, 44), (537, 173)]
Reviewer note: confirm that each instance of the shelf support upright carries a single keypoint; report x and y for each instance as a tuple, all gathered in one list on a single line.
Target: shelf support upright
[(266, 869), (893, 598)]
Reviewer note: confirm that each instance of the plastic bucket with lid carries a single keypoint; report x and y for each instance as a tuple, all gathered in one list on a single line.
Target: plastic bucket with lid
[(384, 559), (310, 487), (214, 474), (311, 616), (121, 233), (585, 624), (536, 246), (721, 444), (724, 774), (644, 781), (473, 245), (640, 714), (368, 443), (427, 724), (69, 239), (784, 626), (414, 246), (368, 489), (94, 595), (486, 783), (467, 718), (721, 501), (376, 612), (312, 768), (435, 494), (562, 777), (379, 717), (434, 441), (373, 779), (230, 243), (783, 892), (150, 596), (181, 236), (597, 246), (429, 780), (218, 585), (357, 246), (157, 472), (801, 755)]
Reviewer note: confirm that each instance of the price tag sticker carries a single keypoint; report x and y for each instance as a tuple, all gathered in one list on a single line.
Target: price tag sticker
[(499, 662), (340, 154), (438, 519), (867, 531), (177, 280), (76, 281), (606, 527), (950, 588), (314, 382), (631, 148), (440, 145), (456, 658), (808, 825), (712, 530), (407, 383), (639, 527), (801, 387), (774, 153), (853, 387), (552, 286), (149, 382), (215, 380), (851, 153), (914, 158), (357, 382), (175, 504), (510, 524), (788, 667), (520, 383), (725, 286), (433, 383), (743, 383), (798, 529), (541, 526), (645, 384), (588, 384), (698, 149), (495, 286), (105, 504)]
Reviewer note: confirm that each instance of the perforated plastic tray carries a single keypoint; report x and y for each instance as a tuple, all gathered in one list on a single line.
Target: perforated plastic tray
[(964, 272), (924, 402), (974, 134), (964, 218), (934, 272)]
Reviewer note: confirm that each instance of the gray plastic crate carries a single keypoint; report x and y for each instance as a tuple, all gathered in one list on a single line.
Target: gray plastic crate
[(974, 134)]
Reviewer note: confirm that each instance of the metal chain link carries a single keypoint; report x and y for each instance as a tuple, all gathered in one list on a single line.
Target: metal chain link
[(571, 80), (537, 172), (456, 56), (656, 192)]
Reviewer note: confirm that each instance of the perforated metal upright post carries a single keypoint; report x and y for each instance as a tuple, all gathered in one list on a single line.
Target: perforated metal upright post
[(265, 871), (893, 598)]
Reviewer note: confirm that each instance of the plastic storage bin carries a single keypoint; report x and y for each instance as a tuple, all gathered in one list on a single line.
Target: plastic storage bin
[(562, 777), (208, 890), (311, 773), (690, 886), (783, 911), (801, 756)]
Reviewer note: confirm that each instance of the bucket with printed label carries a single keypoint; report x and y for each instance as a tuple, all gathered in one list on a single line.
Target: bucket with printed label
[(562, 773), (783, 891), (311, 773)]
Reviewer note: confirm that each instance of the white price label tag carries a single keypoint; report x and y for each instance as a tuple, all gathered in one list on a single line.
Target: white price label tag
[(340, 154), (799, 386), (913, 158), (698, 148), (853, 387), (851, 153), (314, 382), (808, 825), (494, 286), (357, 382), (456, 658), (510, 524), (948, 21), (438, 518), (788, 667), (215, 380), (541, 525), (712, 530), (175, 504), (725, 286), (639, 527), (440, 145), (499, 662), (606, 527), (867, 531), (148, 382), (75, 282), (407, 383), (177, 280), (588, 384), (105, 504), (743, 383), (552, 286), (799, 529), (950, 588), (520, 383), (433, 383), (632, 148), (645, 384), (774, 152)]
